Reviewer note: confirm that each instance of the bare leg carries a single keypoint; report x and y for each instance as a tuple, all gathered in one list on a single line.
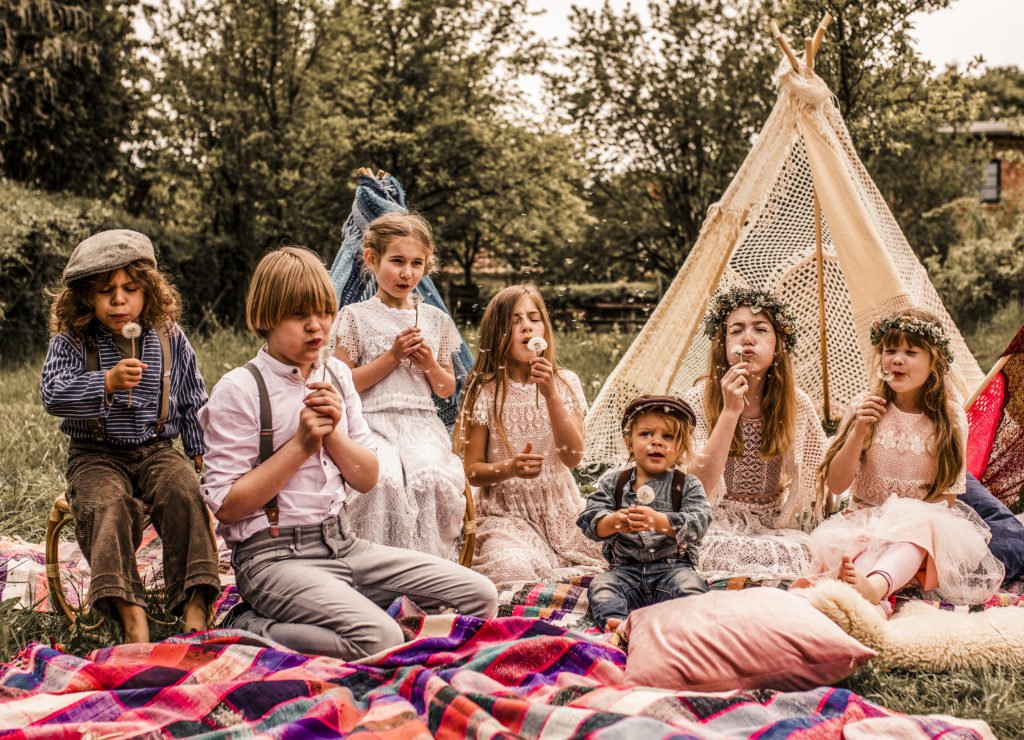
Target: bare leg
[(872, 587), (134, 620), (194, 613)]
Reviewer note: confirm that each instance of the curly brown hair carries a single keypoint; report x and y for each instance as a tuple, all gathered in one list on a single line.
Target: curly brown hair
[(72, 310)]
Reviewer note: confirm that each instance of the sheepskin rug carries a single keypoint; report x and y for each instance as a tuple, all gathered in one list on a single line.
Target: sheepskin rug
[(920, 636)]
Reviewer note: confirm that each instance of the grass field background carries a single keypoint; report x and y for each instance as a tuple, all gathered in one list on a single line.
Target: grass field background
[(32, 456)]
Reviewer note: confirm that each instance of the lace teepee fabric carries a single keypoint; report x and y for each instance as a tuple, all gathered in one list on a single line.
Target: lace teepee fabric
[(761, 234), (374, 197)]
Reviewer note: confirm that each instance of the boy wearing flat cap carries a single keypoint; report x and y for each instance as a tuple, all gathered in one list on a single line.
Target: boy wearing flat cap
[(649, 515), (124, 380)]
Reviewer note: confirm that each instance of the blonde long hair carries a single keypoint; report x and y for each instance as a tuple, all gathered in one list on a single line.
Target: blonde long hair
[(778, 399), (491, 365), (934, 400)]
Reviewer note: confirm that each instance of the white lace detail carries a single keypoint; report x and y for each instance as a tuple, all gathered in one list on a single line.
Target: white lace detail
[(526, 529), (367, 330)]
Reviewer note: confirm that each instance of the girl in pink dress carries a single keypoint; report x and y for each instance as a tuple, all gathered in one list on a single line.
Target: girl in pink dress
[(520, 433), (900, 453)]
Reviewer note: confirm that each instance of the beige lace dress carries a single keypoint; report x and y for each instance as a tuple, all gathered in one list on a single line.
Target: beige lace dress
[(761, 508), (526, 529)]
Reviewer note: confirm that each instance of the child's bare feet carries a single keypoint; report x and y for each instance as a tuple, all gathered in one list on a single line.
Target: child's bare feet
[(133, 620), (872, 587), (612, 624), (194, 613)]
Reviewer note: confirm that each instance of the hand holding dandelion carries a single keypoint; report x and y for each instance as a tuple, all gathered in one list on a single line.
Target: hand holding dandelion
[(538, 345), (131, 331)]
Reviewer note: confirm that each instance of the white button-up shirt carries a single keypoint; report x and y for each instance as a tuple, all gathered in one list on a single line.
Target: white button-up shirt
[(231, 426)]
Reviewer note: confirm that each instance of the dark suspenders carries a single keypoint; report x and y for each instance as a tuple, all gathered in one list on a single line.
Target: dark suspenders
[(92, 364), (267, 437), (678, 479)]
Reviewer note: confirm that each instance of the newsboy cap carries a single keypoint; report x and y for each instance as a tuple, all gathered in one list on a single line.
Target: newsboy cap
[(108, 250), (669, 405)]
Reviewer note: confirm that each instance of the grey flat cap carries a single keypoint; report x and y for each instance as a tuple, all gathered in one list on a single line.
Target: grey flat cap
[(108, 250)]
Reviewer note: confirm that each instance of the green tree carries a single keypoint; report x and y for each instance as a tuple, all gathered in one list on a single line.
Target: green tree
[(1003, 88), (667, 111), (68, 93)]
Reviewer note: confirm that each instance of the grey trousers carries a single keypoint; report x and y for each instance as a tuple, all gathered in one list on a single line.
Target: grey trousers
[(316, 590)]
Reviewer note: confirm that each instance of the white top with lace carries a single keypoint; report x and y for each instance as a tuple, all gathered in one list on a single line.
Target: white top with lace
[(366, 330)]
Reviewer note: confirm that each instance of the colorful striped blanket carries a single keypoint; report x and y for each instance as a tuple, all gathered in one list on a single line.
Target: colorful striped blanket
[(460, 677)]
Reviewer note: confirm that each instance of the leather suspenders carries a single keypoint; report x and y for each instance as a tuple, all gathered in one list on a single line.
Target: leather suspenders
[(92, 364), (678, 479), (267, 438)]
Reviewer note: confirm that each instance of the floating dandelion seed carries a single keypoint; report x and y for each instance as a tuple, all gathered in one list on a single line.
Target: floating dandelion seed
[(884, 375), (131, 331), (645, 495), (538, 345)]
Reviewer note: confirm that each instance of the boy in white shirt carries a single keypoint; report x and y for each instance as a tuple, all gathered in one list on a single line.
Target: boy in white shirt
[(279, 494)]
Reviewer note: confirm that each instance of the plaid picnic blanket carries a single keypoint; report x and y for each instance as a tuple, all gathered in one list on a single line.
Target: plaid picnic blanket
[(461, 677)]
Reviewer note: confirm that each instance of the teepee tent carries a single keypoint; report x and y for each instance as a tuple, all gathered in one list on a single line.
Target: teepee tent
[(803, 219)]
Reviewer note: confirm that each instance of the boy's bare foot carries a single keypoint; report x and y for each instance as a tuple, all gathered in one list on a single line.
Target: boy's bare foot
[(194, 613), (612, 624), (872, 587), (133, 620)]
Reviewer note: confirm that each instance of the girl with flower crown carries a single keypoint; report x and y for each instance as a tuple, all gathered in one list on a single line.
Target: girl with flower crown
[(900, 453), (757, 442), (520, 433)]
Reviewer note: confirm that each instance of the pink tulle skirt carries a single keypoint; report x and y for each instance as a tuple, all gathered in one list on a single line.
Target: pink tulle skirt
[(958, 564)]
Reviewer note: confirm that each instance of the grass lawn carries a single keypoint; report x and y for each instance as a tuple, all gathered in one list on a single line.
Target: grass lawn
[(32, 455)]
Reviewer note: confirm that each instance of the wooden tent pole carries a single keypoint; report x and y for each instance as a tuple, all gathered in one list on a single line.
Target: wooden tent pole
[(784, 45), (822, 333), (808, 56), (988, 379), (819, 35)]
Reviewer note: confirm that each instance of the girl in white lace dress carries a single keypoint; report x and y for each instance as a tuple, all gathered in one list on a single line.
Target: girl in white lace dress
[(900, 452), (400, 353), (757, 442), (521, 432)]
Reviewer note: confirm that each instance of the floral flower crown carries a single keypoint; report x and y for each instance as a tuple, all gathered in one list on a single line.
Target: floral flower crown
[(725, 302), (930, 330)]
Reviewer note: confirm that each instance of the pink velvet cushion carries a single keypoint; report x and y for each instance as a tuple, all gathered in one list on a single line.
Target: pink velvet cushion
[(757, 638)]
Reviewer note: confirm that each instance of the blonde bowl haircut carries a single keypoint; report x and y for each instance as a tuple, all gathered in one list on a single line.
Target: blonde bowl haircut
[(491, 365), (385, 229), (778, 399), (681, 432), (934, 399), (287, 281)]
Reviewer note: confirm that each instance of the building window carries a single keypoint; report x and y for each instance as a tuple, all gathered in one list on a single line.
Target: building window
[(990, 182)]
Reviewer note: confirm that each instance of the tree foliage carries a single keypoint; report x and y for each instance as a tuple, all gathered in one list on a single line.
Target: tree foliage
[(68, 93)]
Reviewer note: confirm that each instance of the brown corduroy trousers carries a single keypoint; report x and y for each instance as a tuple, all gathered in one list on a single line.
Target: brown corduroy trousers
[(107, 489)]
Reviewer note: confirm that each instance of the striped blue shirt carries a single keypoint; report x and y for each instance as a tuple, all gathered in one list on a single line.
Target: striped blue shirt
[(75, 395)]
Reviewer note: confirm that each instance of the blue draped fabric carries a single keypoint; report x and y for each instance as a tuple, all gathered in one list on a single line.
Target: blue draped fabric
[(375, 197)]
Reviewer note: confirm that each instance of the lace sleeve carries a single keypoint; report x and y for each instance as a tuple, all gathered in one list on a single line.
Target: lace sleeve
[(451, 341), (571, 391), (347, 329), (482, 406)]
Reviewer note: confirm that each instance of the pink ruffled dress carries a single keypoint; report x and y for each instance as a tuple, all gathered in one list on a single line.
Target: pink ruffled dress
[(888, 507)]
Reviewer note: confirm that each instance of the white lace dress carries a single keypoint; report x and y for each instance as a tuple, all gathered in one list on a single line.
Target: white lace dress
[(888, 491), (526, 529), (761, 507), (419, 500)]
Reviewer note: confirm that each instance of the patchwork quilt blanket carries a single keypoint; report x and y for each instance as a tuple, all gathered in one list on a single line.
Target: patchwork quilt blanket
[(540, 669), (510, 677)]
